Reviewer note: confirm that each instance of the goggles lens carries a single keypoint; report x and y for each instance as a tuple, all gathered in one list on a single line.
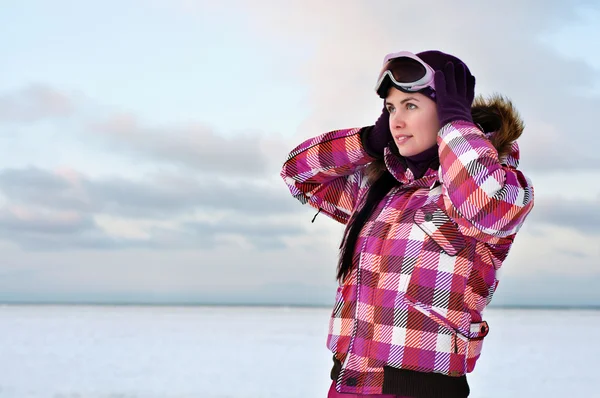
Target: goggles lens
[(406, 70)]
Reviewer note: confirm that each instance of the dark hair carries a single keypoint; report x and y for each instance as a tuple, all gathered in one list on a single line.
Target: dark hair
[(383, 182)]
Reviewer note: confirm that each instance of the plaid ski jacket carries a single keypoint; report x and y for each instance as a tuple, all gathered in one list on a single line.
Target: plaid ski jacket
[(426, 260)]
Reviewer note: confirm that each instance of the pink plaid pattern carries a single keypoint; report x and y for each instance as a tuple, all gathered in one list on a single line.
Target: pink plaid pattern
[(313, 169), (426, 260)]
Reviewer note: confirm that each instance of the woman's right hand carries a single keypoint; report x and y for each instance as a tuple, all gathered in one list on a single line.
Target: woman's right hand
[(378, 136)]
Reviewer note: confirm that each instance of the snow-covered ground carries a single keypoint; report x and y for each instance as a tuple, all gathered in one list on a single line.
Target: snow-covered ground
[(252, 352)]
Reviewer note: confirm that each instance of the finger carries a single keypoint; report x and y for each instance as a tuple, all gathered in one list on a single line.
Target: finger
[(461, 80), (440, 83), (471, 87), (450, 78)]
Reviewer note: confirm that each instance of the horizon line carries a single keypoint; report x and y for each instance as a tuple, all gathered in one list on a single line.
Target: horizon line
[(258, 305)]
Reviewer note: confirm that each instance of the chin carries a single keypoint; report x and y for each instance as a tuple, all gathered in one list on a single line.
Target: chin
[(407, 151)]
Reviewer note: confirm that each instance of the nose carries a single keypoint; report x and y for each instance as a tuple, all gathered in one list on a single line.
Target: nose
[(397, 120)]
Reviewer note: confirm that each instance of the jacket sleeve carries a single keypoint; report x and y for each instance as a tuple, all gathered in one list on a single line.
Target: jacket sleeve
[(327, 172), (488, 200)]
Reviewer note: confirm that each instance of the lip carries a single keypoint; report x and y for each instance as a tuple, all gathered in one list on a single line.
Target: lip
[(401, 138)]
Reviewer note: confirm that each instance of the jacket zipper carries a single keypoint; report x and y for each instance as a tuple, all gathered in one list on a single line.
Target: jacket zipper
[(355, 326)]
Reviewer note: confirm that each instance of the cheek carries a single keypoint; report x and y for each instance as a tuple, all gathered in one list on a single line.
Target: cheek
[(434, 128), (429, 130), (431, 125), (430, 138), (435, 122)]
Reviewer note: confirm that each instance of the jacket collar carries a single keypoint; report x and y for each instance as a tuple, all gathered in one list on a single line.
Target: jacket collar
[(404, 175)]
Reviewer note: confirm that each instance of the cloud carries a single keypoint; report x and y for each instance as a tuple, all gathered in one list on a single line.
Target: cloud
[(49, 231), (51, 210), (260, 234), (36, 230), (549, 289), (580, 215), (161, 196), (247, 274), (15, 219), (195, 147), (198, 147), (34, 103)]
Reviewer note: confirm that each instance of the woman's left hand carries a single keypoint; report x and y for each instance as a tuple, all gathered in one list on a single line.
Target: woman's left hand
[(453, 90)]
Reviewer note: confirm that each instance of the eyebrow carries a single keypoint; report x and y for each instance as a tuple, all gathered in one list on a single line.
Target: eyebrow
[(409, 99), (404, 100)]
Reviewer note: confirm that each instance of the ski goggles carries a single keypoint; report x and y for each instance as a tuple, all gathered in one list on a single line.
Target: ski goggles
[(407, 72)]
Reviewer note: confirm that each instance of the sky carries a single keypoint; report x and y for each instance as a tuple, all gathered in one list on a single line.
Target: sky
[(141, 141)]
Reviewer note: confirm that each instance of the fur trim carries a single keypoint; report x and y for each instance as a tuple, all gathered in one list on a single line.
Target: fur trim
[(498, 117)]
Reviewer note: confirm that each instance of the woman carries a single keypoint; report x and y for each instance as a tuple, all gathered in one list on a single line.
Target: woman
[(432, 200)]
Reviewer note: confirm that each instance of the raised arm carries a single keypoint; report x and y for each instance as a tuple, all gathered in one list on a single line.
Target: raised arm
[(488, 199), (327, 172)]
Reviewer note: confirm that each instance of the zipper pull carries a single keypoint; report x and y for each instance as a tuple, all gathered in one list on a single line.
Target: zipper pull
[(313, 220), (455, 345)]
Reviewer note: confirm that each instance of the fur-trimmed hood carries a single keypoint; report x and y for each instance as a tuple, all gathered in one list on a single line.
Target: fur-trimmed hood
[(502, 124)]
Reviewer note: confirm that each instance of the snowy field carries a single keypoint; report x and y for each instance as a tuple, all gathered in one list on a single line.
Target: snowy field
[(254, 352)]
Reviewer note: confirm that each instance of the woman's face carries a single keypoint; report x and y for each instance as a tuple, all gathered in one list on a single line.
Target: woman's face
[(413, 121)]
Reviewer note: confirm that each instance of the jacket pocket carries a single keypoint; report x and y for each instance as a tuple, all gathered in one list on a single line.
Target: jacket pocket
[(439, 275), (341, 320), (335, 322), (440, 228)]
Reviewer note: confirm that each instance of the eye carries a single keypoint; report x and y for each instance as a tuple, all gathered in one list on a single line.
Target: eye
[(391, 108), (410, 106)]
